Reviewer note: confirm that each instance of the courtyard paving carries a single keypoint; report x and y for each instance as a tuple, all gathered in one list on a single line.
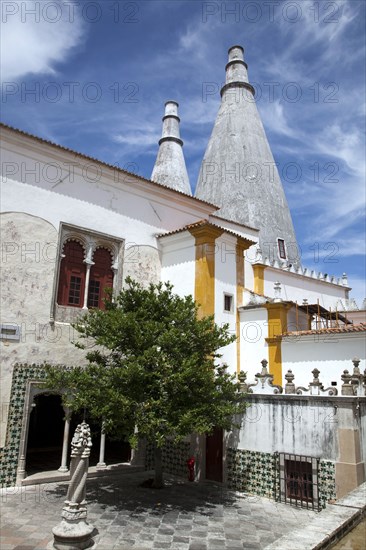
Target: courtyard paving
[(183, 515)]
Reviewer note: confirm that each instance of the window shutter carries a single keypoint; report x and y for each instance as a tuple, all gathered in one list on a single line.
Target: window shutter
[(101, 277), (72, 276)]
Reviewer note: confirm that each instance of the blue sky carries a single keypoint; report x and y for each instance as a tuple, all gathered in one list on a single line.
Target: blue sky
[(101, 71)]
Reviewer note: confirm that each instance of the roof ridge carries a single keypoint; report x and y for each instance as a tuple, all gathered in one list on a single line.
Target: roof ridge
[(197, 224), (114, 167)]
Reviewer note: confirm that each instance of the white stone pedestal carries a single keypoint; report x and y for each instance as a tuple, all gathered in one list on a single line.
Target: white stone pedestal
[(73, 533)]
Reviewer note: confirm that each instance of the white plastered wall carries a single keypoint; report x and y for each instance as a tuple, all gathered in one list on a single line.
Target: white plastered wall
[(331, 354), (27, 272), (305, 425), (178, 262), (296, 288), (225, 283), (253, 347)]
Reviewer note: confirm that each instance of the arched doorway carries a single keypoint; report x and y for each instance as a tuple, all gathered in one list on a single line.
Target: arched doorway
[(45, 434)]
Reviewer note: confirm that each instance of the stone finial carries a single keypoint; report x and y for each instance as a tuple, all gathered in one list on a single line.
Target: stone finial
[(242, 376), (258, 255), (277, 292), (316, 387), (344, 279), (356, 361), (346, 377), (264, 382), (316, 382), (264, 364), (358, 380), (347, 387), (289, 386)]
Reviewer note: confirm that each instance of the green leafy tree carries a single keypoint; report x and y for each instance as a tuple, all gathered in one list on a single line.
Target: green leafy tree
[(153, 371)]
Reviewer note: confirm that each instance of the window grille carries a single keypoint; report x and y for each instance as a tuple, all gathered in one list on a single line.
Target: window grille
[(75, 291), (94, 293), (299, 484)]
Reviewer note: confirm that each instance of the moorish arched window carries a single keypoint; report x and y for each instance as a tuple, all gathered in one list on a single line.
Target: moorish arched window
[(101, 277), (89, 264), (71, 286)]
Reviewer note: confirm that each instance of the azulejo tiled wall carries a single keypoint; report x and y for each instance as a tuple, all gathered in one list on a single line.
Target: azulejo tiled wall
[(327, 486), (253, 472), (174, 457), (10, 453), (258, 473)]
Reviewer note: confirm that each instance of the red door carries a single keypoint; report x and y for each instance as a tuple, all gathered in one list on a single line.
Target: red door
[(214, 455)]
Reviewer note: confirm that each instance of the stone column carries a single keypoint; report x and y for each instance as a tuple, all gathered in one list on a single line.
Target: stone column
[(101, 464), (115, 278), (65, 443), (21, 471), (86, 289), (88, 262)]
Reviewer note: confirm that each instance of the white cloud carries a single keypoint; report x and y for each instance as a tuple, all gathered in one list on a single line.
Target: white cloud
[(140, 138), (275, 119), (343, 247), (34, 43), (322, 25)]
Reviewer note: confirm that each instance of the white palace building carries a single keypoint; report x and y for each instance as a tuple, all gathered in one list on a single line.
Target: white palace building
[(72, 225)]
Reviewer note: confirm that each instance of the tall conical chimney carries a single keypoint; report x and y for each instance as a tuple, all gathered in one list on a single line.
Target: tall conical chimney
[(170, 167), (238, 172)]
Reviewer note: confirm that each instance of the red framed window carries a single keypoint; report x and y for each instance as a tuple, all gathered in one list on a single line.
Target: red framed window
[(101, 277), (282, 249), (71, 284)]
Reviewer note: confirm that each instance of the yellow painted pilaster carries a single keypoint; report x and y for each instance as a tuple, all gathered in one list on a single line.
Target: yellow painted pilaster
[(277, 325), (258, 271), (204, 292)]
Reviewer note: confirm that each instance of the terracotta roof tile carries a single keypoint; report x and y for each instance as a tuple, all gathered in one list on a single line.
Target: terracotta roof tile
[(335, 330), (198, 224)]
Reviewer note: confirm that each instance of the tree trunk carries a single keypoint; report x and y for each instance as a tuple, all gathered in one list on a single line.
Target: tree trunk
[(158, 481)]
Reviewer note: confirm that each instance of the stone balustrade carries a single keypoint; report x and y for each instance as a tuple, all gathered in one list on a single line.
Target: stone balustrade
[(354, 384)]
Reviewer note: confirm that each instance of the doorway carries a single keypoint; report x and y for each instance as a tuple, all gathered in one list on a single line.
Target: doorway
[(214, 455), (45, 434)]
